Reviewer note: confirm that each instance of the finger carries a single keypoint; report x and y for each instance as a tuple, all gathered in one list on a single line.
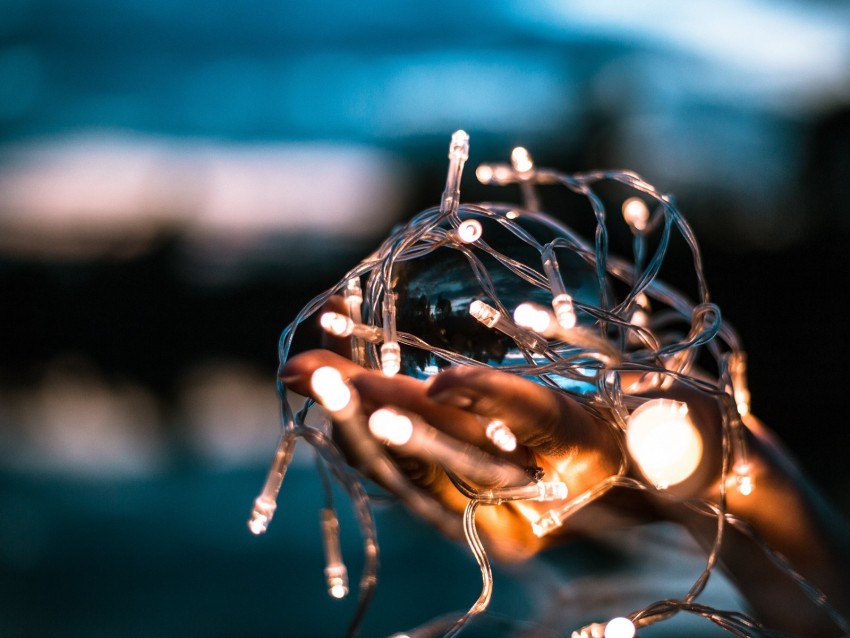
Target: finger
[(413, 435), (297, 370), (544, 419), (378, 390), (362, 451)]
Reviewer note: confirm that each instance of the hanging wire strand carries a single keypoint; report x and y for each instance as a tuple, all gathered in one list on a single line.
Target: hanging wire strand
[(666, 349)]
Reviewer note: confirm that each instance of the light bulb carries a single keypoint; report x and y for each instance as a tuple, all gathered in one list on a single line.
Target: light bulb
[(390, 426), (636, 213), (262, 514), (564, 311), (500, 435), (469, 231), (390, 350), (620, 627), (336, 574), (663, 441), (341, 326), (534, 318), (337, 324), (521, 160), (495, 174), (492, 318), (330, 388)]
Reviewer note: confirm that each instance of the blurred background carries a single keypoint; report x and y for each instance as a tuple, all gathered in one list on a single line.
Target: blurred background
[(177, 180)]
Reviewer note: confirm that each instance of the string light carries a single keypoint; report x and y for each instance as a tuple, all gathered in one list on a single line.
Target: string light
[(500, 435), (577, 343), (342, 326), (493, 318), (336, 574), (664, 442)]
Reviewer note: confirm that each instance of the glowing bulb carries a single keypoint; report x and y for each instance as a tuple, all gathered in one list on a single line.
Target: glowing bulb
[(330, 388), (336, 574), (390, 427), (390, 350), (390, 358), (635, 213), (564, 311), (337, 324), (485, 313), (619, 628), (484, 173), (745, 483), (459, 146), (664, 442), (493, 318), (495, 174), (469, 231), (521, 160), (261, 515), (534, 318), (501, 436), (341, 326)]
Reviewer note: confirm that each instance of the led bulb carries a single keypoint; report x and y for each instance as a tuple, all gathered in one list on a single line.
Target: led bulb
[(534, 318), (390, 358), (390, 350), (521, 160), (390, 427), (636, 213), (337, 324), (485, 313), (330, 388), (619, 628), (493, 318), (745, 482), (469, 231), (341, 326), (336, 574), (663, 441), (564, 311), (261, 515), (495, 174), (500, 435)]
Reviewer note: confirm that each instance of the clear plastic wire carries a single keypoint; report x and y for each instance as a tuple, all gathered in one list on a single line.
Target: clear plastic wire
[(678, 335)]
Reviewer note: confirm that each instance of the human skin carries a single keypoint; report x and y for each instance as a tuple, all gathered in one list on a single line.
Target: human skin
[(579, 446)]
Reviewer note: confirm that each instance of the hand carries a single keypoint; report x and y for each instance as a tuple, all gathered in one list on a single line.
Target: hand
[(567, 440)]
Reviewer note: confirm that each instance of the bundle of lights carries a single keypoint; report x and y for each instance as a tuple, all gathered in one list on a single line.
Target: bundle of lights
[(581, 347)]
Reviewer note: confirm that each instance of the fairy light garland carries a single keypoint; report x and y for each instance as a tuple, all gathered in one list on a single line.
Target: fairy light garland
[(573, 346)]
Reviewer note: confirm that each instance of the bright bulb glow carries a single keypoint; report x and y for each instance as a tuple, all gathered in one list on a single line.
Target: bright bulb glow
[(330, 388), (664, 442), (530, 316), (619, 628), (501, 436), (469, 231), (262, 513), (521, 160), (485, 313), (390, 358), (635, 213), (390, 427), (484, 173), (337, 324), (564, 311)]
